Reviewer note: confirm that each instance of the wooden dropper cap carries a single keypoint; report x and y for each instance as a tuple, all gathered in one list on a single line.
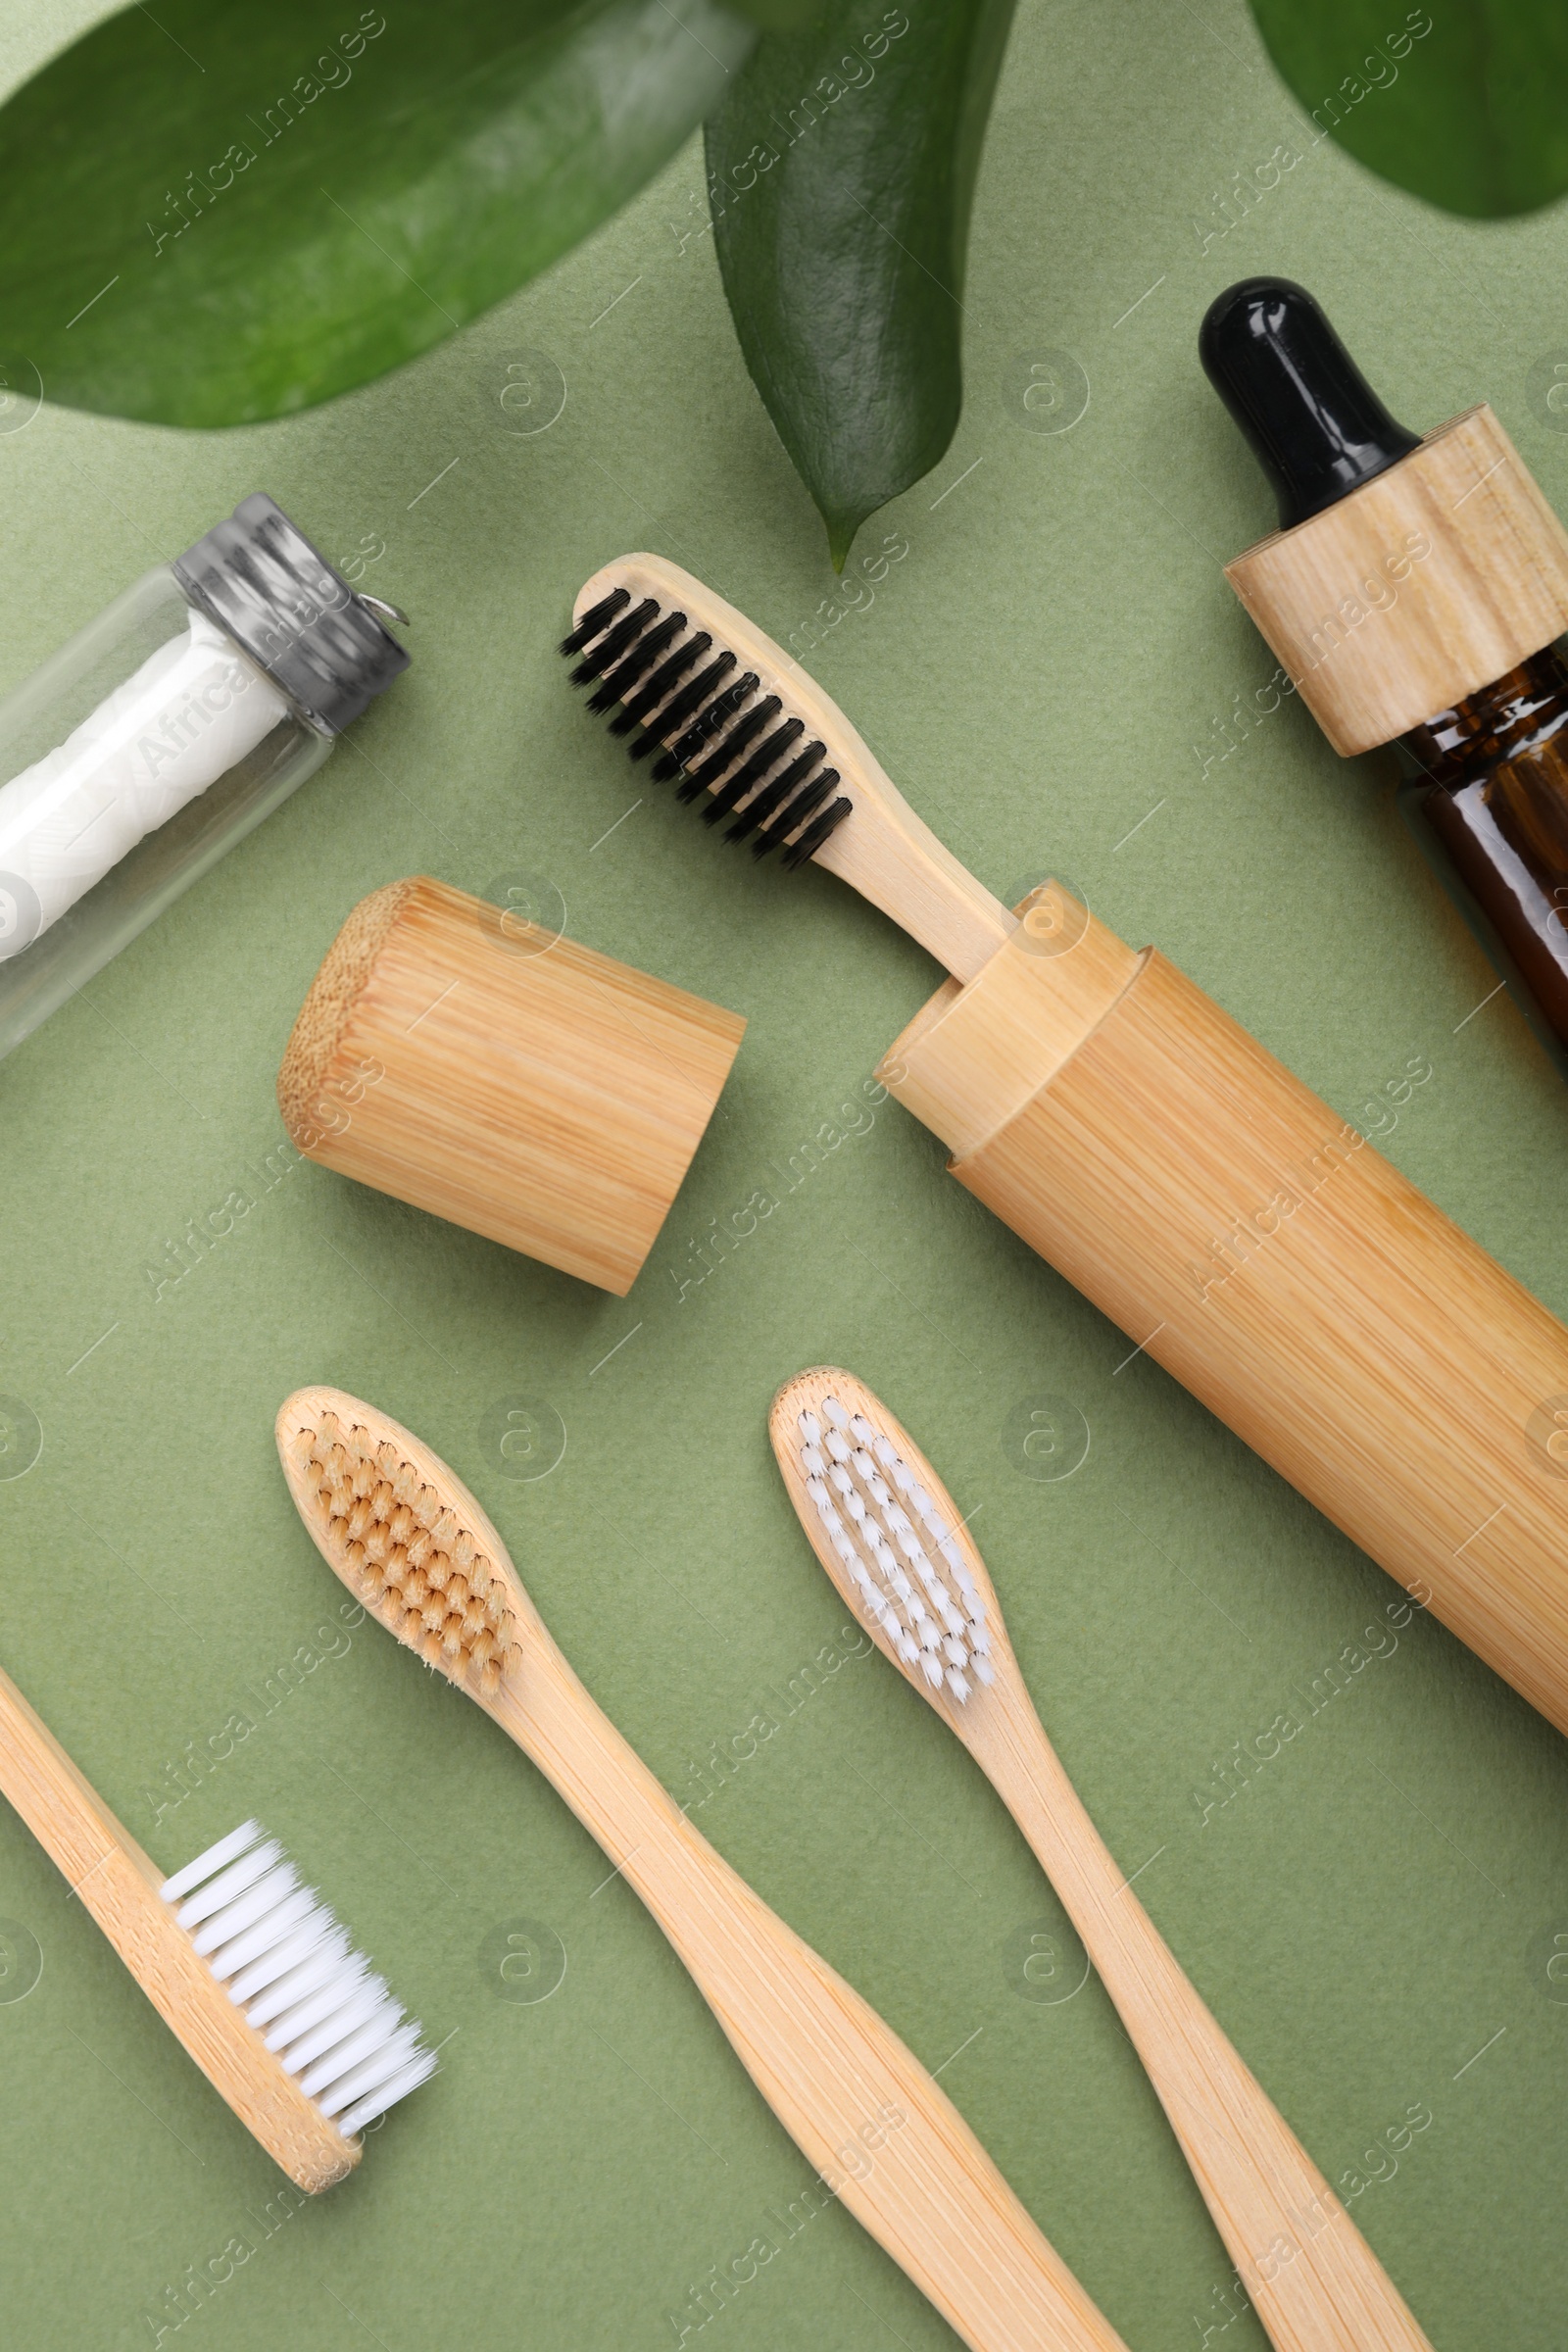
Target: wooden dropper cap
[(1406, 571), (494, 1072)]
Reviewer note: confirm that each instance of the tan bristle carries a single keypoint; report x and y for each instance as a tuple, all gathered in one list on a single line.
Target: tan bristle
[(407, 1553)]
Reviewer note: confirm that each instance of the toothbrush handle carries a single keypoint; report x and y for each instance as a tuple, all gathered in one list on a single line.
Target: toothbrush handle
[(1316, 2284), (118, 1883), (880, 2132)]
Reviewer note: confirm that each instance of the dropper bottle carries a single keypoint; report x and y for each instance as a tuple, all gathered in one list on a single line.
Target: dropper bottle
[(1415, 591)]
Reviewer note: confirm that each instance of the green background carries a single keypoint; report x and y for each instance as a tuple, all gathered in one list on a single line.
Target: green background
[(1374, 1910)]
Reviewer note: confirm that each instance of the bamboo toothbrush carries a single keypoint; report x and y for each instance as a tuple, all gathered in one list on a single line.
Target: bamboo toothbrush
[(1242, 1233), (411, 1543), (246, 1965), (885, 1529)]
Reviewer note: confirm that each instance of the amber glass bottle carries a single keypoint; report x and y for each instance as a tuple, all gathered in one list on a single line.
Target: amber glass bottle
[(1417, 592), (1486, 794)]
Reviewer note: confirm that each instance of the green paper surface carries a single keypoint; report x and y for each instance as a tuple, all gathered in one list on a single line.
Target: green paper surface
[(1052, 671)]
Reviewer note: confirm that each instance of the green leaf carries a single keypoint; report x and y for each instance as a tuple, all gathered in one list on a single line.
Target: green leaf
[(841, 172), (1465, 104), (210, 214)]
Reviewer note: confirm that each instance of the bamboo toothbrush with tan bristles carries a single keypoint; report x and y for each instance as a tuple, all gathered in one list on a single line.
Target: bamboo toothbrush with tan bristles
[(413, 1544), (244, 1963), (886, 1531)]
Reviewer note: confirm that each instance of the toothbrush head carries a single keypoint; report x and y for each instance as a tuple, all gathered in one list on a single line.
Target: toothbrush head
[(343, 2040), (405, 1536), (885, 1529), (725, 709)]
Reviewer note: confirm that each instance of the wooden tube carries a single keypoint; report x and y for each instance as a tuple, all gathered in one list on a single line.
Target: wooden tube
[(1259, 1248), (500, 1075)]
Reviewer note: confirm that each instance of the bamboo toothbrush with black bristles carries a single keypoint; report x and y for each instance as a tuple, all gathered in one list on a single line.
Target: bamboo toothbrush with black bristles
[(244, 1963), (411, 1543), (886, 1530)]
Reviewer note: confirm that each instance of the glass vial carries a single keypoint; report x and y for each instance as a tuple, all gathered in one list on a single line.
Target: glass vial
[(160, 735), (1485, 792), (1417, 592)]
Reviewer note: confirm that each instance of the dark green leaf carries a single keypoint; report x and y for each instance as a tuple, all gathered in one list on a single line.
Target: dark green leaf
[(841, 171), (210, 214), (1465, 104)]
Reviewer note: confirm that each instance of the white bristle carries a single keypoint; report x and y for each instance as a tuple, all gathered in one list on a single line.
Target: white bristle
[(372, 2071), (294, 1973), (265, 1937), (255, 1904), (387, 2094), (227, 1849), (945, 1643), (298, 1965), (315, 2001), (375, 2021), (230, 1883)]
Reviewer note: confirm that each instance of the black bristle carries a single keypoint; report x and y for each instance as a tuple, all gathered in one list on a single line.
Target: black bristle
[(811, 839), (605, 655), (689, 698), (646, 698), (638, 662), (729, 796), (761, 715), (762, 805), (592, 622), (704, 726), (799, 809)]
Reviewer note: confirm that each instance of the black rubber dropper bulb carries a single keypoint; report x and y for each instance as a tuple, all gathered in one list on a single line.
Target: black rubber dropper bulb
[(1485, 786), (1314, 423)]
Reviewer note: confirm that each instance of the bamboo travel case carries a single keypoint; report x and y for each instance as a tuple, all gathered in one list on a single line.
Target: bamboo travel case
[(494, 1072)]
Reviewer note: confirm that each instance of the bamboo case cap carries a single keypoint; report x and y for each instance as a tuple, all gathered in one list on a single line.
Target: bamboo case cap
[(1432, 579), (505, 1078)]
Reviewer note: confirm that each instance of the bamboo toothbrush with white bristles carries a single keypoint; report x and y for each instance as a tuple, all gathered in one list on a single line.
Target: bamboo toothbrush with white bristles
[(413, 1544), (244, 1963), (886, 1531)]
